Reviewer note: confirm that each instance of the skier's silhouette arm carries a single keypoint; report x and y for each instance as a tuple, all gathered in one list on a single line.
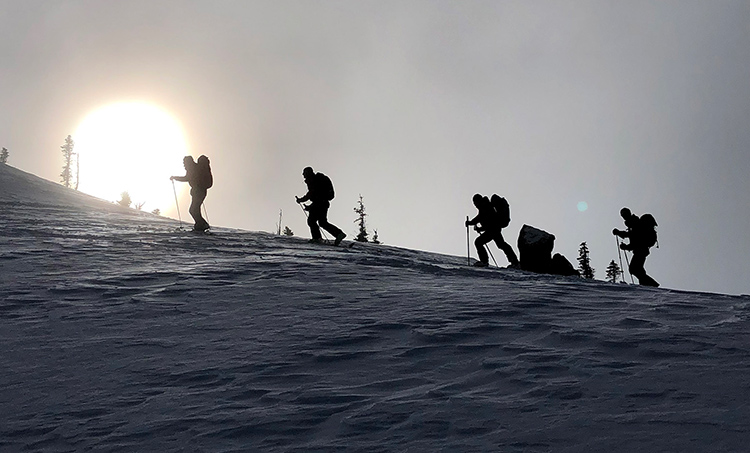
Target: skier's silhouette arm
[(179, 178), (621, 233), (476, 222), (624, 234), (310, 192)]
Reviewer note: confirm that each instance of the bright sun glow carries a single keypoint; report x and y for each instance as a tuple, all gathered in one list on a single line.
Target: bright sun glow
[(133, 147)]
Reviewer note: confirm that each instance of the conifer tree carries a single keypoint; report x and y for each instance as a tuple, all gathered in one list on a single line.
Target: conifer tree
[(375, 237), (288, 231), (4, 156), (613, 272), (156, 211), (125, 200), (360, 210), (67, 151), (584, 261)]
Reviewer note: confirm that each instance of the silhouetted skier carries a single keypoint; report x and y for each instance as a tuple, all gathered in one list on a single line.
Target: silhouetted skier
[(199, 176), (490, 228), (320, 192), (642, 234)]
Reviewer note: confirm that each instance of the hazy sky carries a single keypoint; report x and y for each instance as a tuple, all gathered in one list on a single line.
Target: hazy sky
[(417, 105)]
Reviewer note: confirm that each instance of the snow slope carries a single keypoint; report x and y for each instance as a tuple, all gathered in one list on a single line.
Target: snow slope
[(119, 333)]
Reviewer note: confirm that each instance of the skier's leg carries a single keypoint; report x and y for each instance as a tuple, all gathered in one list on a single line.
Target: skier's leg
[(312, 222), (639, 259), (329, 227), (637, 268), (648, 281), (480, 242), (201, 199), (506, 248), (197, 197)]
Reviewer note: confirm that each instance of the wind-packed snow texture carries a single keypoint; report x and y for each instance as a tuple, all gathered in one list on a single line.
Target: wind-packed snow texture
[(119, 333)]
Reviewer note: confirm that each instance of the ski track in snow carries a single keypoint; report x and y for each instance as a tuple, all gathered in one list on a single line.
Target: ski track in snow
[(121, 334)]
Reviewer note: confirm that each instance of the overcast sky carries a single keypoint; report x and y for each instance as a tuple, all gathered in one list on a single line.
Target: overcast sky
[(417, 105)]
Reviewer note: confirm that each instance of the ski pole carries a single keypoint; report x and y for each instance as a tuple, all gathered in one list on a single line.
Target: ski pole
[(205, 212), (468, 248), (491, 256), (301, 206), (176, 203), (619, 254)]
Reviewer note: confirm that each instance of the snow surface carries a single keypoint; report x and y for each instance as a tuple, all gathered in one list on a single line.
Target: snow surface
[(120, 333)]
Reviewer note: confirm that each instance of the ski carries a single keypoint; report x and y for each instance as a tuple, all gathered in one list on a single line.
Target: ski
[(331, 243)]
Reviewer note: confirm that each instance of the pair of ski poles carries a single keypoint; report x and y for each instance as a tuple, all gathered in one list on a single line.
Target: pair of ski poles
[(468, 247), (179, 217), (622, 271)]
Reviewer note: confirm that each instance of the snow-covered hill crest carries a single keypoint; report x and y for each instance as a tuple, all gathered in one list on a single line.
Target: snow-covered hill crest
[(120, 333)]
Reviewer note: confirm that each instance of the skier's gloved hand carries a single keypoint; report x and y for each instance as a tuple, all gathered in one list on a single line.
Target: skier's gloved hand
[(616, 232), (171, 178), (467, 223)]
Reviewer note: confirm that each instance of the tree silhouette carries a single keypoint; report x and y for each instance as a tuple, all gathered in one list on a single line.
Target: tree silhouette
[(613, 272), (156, 211), (584, 261), (4, 156), (375, 237), (288, 231), (360, 210), (125, 200), (67, 151)]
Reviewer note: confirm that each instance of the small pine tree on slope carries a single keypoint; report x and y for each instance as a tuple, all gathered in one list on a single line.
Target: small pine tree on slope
[(360, 210), (67, 151), (613, 272), (584, 261), (125, 200), (4, 156)]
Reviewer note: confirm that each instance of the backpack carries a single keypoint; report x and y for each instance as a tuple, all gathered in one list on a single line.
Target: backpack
[(325, 186), (502, 208), (647, 225), (205, 178)]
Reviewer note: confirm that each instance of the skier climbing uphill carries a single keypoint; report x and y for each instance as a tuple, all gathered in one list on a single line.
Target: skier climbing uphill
[(320, 192), (642, 234), (199, 176), (491, 218)]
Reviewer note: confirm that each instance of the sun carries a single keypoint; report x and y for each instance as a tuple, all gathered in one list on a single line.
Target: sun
[(130, 147)]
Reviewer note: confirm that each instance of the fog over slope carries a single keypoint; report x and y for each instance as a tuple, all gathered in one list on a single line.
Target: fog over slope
[(120, 333)]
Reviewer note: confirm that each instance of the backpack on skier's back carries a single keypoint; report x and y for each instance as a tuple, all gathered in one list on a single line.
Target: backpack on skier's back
[(502, 209), (325, 186), (647, 224), (205, 178)]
